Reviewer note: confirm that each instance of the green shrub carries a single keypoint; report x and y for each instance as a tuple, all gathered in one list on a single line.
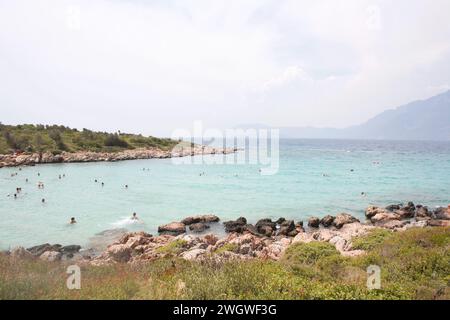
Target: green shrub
[(231, 247), (309, 253), (173, 247), (370, 240)]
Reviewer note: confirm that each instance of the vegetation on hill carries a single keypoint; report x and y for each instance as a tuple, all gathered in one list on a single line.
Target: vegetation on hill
[(55, 139), (415, 264)]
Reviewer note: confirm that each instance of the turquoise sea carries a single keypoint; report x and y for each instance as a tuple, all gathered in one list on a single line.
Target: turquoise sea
[(315, 177)]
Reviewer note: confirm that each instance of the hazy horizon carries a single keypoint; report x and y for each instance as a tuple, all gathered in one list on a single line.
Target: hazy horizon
[(152, 67)]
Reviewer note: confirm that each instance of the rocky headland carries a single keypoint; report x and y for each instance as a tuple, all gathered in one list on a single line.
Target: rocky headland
[(267, 239), (30, 159)]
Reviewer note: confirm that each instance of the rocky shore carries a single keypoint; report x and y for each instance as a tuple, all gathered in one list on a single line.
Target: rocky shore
[(30, 159), (188, 239)]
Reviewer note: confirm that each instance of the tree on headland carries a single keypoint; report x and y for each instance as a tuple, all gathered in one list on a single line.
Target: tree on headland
[(56, 136), (113, 140), (10, 140)]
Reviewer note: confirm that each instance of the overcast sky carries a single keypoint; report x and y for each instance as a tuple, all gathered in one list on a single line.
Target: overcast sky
[(153, 66)]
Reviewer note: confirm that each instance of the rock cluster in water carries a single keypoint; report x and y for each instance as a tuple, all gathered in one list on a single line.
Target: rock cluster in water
[(266, 239)]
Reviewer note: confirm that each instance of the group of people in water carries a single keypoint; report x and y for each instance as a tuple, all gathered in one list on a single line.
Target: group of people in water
[(40, 185), (103, 184)]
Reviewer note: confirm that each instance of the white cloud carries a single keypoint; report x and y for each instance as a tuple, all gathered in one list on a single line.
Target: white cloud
[(290, 74), (153, 66)]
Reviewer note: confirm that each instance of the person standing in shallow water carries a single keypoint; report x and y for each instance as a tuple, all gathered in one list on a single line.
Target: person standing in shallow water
[(72, 220), (134, 217)]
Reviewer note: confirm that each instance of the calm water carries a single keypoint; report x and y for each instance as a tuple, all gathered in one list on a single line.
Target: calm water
[(388, 172)]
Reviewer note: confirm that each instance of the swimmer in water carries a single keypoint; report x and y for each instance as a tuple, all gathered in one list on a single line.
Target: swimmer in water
[(15, 196), (43, 200), (59, 177), (95, 181), (363, 194), (126, 186), (26, 180), (134, 217), (103, 184), (72, 220)]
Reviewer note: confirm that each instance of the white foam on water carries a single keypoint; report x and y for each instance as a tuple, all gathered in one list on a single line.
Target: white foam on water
[(124, 222)]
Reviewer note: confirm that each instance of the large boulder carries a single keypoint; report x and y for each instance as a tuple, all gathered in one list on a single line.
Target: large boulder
[(393, 207), (136, 239), (236, 225), (313, 222), (379, 215), (119, 252), (442, 213), (372, 211), (251, 229), (407, 211), (422, 213), (71, 249), (327, 221), (266, 227), (275, 250), (287, 228), (299, 226), (173, 228), (343, 218), (198, 227), (37, 251), (207, 218), (51, 256)]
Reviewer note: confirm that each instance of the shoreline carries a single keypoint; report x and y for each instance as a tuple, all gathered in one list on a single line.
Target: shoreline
[(31, 159), (266, 240)]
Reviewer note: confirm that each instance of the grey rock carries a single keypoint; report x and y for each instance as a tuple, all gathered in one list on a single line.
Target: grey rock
[(51, 256), (198, 227), (173, 228), (327, 221), (342, 219), (313, 222)]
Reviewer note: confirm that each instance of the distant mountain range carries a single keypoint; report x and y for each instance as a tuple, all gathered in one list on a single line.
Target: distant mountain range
[(419, 120)]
